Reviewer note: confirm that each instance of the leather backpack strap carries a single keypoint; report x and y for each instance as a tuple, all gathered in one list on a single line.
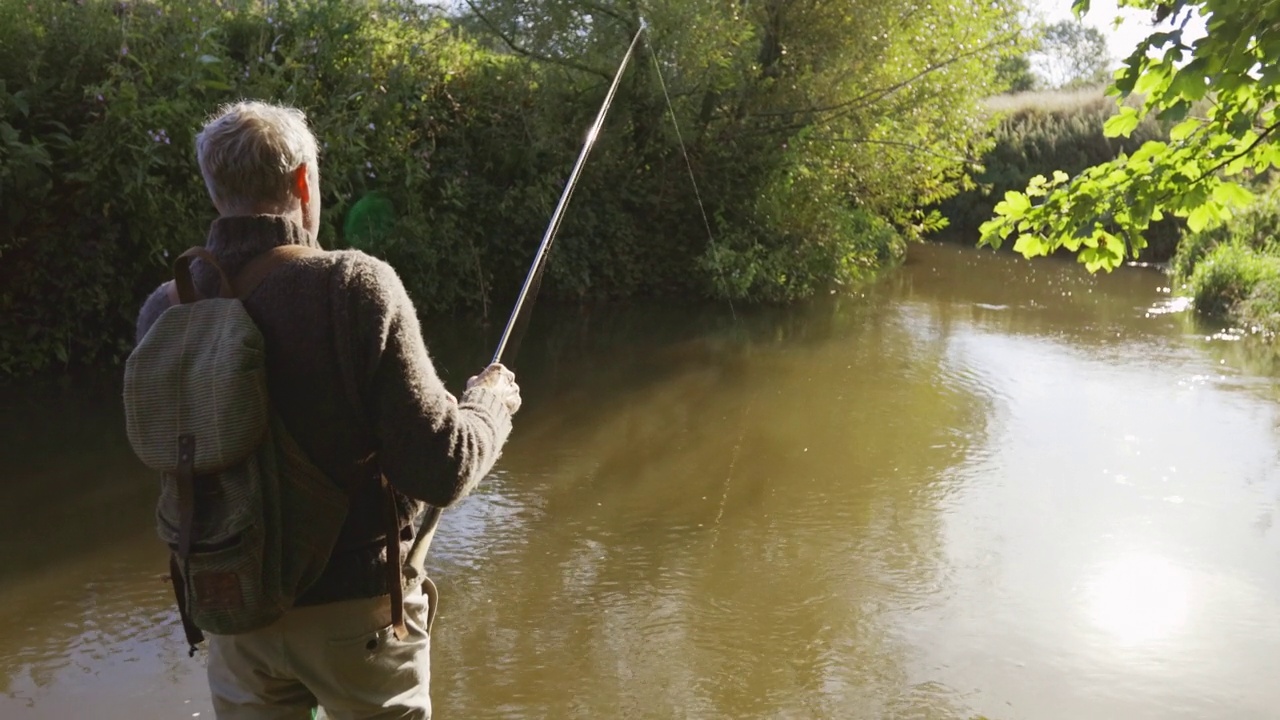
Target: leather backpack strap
[(265, 263), (395, 569), (179, 561), (182, 274)]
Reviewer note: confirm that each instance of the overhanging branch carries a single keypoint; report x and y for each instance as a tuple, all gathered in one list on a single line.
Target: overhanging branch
[(532, 55)]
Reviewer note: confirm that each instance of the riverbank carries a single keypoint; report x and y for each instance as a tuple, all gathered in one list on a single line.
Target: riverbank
[(1232, 270), (447, 138)]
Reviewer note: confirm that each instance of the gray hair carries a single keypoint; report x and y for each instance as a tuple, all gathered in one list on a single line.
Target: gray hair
[(248, 152)]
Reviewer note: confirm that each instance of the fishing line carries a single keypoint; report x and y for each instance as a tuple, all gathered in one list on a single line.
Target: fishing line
[(724, 286), (697, 194)]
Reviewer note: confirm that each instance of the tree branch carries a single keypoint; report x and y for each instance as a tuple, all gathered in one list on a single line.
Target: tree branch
[(511, 45), (875, 96), (909, 146), (1228, 160)]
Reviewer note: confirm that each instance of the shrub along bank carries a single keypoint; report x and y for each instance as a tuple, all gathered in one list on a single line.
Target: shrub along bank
[(812, 162), (1232, 270)]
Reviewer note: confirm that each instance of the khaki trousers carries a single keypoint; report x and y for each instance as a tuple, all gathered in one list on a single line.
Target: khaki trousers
[(341, 656)]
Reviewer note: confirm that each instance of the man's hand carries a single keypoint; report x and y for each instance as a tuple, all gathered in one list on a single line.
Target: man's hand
[(500, 381)]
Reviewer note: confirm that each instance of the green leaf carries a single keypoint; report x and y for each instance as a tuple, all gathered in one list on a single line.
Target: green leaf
[(1175, 112), (1189, 83), (19, 100), (1232, 195), (208, 59), (1122, 123), (1152, 79), (1183, 130), (1200, 218), (1014, 205), (1030, 246), (1149, 150)]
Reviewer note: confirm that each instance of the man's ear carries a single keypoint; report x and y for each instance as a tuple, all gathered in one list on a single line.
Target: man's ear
[(300, 183)]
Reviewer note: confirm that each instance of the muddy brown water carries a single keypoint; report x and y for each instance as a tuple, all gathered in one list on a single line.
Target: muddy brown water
[(980, 487)]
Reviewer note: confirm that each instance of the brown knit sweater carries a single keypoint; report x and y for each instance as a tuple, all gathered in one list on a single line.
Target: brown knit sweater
[(349, 374)]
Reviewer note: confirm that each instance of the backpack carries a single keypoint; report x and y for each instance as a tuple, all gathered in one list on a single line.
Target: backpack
[(249, 520)]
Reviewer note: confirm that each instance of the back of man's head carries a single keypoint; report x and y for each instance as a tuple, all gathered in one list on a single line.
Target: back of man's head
[(248, 153)]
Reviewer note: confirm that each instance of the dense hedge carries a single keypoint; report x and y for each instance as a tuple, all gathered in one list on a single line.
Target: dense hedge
[(463, 146), (1040, 132)]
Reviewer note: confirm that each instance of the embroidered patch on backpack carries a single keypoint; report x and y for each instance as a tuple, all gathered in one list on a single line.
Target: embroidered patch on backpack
[(218, 591)]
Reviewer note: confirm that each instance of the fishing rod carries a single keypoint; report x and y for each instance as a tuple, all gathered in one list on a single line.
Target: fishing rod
[(529, 291), (539, 261)]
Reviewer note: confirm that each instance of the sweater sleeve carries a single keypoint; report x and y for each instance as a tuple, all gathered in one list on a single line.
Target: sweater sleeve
[(157, 302), (431, 447)]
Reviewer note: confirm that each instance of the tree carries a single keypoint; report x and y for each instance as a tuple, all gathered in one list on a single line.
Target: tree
[(1013, 73), (1221, 94), (803, 118), (1072, 54)]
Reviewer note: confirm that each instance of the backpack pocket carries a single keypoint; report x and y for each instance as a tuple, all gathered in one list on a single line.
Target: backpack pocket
[(198, 372), (224, 588), (231, 574)]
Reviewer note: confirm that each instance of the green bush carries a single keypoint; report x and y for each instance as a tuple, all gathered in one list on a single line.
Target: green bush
[(1232, 270), (459, 149), (1233, 279), (100, 185), (1256, 228)]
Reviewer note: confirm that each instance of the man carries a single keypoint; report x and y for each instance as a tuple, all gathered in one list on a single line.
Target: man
[(349, 375)]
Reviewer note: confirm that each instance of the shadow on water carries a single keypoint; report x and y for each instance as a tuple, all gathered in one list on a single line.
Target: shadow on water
[(80, 485)]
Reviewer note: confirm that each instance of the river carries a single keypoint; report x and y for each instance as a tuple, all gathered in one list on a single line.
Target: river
[(980, 487)]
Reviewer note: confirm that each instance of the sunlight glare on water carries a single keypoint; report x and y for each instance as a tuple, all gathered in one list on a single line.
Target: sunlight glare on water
[(1138, 598)]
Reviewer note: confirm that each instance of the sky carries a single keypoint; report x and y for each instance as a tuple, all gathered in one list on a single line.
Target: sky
[(1134, 24)]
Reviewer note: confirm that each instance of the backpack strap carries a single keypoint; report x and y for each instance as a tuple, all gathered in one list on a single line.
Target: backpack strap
[(182, 274), (182, 290), (266, 263), (395, 564), (179, 561)]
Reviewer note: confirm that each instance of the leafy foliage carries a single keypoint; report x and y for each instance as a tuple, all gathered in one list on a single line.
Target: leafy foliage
[(1103, 213), (1233, 270), (816, 131), (1038, 134), (796, 113)]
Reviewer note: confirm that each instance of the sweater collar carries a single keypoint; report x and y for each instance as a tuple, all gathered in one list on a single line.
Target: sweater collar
[(237, 239)]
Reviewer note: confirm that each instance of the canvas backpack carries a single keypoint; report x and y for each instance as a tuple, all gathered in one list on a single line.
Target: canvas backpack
[(250, 521)]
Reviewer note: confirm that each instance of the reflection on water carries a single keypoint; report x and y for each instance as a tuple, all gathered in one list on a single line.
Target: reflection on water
[(982, 486), (1138, 598)]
